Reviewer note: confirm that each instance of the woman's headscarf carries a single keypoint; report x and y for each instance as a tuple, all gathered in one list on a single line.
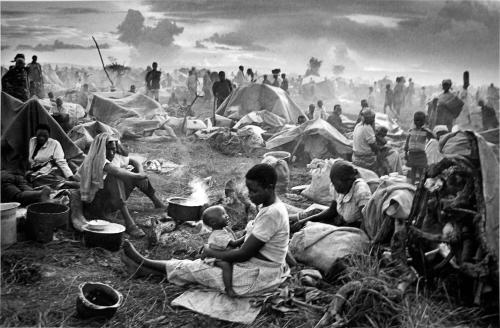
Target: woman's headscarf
[(91, 172)]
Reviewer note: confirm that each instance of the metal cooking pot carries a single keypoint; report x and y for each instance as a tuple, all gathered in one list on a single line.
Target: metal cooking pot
[(181, 211), (109, 237)]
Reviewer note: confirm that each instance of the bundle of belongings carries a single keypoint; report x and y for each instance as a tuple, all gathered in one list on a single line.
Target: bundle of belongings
[(244, 140), (455, 218)]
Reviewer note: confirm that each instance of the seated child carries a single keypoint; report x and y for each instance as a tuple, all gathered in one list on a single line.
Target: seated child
[(221, 238)]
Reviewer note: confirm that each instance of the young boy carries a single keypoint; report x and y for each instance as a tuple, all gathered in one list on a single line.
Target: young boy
[(415, 155), (221, 238)]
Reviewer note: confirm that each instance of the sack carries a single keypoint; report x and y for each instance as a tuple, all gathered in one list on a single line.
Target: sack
[(282, 171), (320, 245), (320, 190)]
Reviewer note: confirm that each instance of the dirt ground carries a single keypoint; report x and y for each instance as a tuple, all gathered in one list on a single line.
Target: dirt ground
[(40, 281)]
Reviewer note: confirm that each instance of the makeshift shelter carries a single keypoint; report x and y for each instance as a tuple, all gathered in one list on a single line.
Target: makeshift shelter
[(83, 134), (131, 115), (258, 97), (318, 132), (20, 125), (10, 108)]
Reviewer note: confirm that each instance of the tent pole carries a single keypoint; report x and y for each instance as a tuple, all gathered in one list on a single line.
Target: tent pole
[(102, 61)]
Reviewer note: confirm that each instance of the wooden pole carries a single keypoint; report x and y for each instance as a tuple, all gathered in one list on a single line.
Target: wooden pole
[(102, 61)]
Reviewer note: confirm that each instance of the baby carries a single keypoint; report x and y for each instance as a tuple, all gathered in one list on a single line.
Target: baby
[(221, 238)]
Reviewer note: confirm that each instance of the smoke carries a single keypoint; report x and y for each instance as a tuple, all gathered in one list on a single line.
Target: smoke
[(132, 31), (199, 195)]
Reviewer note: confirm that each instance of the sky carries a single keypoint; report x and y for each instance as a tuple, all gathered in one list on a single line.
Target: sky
[(425, 40)]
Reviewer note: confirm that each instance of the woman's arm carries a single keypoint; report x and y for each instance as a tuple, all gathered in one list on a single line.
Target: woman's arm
[(122, 173), (326, 214), (61, 161), (249, 249), (236, 243)]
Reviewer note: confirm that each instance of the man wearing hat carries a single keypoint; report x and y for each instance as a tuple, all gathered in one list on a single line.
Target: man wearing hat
[(276, 73), (15, 82), (36, 78)]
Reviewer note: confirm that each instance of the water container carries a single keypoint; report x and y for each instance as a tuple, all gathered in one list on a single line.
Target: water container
[(9, 223)]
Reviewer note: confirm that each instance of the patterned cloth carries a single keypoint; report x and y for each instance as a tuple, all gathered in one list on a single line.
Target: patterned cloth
[(250, 278)]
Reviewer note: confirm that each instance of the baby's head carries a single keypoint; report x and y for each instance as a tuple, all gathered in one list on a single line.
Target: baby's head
[(215, 217)]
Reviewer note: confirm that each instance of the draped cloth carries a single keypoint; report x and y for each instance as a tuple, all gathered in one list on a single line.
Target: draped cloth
[(91, 173)]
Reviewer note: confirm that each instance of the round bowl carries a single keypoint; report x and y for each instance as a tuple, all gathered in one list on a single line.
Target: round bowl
[(96, 299), (284, 155), (97, 225), (180, 210), (109, 238)]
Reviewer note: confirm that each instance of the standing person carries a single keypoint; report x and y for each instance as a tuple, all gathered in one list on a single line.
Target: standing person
[(15, 82), (207, 86), (240, 78), (489, 116), (35, 77), (192, 83), (492, 96), (364, 144), (399, 95), (258, 263), (222, 88), (415, 155), (169, 80), (371, 98), (320, 112), (265, 80), (250, 75), (446, 108), (276, 82), (423, 97), (284, 82), (153, 82), (389, 98), (310, 113), (410, 92)]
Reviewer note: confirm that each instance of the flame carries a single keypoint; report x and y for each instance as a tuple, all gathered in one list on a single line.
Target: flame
[(199, 195)]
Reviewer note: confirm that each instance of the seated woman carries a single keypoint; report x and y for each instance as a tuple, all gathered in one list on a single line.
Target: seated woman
[(350, 196), (259, 261), (47, 164), (105, 186)]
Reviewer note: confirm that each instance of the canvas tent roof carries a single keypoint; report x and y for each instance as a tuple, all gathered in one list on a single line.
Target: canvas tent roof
[(258, 97), (21, 127), (129, 115), (317, 127)]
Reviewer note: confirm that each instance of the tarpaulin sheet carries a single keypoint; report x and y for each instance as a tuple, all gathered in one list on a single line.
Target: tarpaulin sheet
[(319, 128), (10, 108), (257, 97), (16, 136), (129, 115)]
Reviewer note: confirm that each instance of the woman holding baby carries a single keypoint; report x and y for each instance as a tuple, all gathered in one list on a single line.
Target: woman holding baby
[(257, 260)]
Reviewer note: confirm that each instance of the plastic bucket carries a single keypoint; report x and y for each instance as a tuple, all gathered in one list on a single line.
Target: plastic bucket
[(9, 223), (43, 218)]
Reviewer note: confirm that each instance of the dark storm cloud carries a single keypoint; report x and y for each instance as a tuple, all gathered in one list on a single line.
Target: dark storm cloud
[(58, 45), (240, 39), (5, 47), (132, 30), (22, 31), (200, 45), (75, 11)]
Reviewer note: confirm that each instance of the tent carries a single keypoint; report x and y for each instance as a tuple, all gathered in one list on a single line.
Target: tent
[(131, 115), (258, 97), (10, 108), (17, 131), (83, 134), (318, 132)]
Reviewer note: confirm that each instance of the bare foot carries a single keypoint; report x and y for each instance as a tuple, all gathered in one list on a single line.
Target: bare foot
[(130, 251), (45, 194), (138, 269)]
